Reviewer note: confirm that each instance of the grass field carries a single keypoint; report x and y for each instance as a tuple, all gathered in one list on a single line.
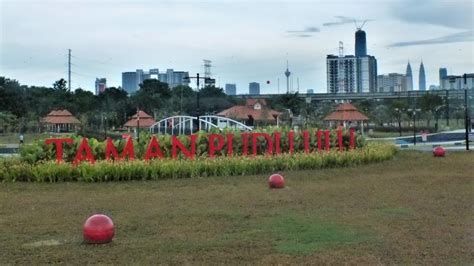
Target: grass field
[(414, 209)]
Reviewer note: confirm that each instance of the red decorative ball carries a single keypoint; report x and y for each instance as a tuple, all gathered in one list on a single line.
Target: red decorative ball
[(276, 181), (98, 229), (439, 151)]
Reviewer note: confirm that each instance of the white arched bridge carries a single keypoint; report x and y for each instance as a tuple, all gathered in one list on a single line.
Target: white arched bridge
[(177, 125)]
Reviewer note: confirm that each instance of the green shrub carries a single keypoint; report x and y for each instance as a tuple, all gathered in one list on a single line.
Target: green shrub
[(13, 169)]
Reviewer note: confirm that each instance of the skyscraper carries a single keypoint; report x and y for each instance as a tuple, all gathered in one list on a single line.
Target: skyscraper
[(360, 43), (409, 78), (254, 88), (131, 80), (422, 80), (230, 89), (100, 85), (443, 73), (393, 82)]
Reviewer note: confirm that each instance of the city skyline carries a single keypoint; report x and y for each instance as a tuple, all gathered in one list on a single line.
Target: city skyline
[(112, 38)]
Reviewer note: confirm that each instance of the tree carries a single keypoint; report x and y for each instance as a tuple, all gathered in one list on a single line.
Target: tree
[(397, 109), (60, 85), (290, 101), (429, 103), (153, 94)]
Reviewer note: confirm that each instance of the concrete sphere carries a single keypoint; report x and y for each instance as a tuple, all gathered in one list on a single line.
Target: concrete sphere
[(98, 229), (276, 181), (439, 151)]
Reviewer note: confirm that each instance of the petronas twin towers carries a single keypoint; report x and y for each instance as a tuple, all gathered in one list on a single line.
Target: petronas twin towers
[(421, 78)]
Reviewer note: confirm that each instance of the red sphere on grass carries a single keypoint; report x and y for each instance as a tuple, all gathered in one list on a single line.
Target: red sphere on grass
[(98, 229), (439, 151), (276, 181)]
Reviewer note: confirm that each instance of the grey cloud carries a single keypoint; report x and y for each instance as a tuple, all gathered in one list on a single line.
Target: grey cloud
[(453, 14), (304, 35), (343, 20), (466, 36), (306, 30)]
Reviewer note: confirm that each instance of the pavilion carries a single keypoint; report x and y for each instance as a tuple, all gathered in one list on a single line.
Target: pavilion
[(140, 119), (346, 115), (255, 111), (61, 121)]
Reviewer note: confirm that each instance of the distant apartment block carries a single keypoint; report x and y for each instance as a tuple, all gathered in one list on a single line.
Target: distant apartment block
[(131, 80), (310, 91), (452, 82), (350, 74), (392, 82), (230, 89), (254, 88), (100, 85)]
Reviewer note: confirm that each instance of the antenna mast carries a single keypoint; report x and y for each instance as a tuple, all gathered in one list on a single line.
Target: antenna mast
[(207, 68), (69, 69)]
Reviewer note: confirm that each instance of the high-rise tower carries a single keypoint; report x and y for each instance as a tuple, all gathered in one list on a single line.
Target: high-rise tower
[(443, 73), (287, 74), (360, 40), (360, 43), (422, 80), (409, 78)]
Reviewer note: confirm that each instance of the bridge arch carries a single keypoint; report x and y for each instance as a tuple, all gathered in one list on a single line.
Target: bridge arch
[(183, 125)]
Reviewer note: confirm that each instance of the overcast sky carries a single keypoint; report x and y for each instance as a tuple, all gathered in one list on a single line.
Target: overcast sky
[(247, 41)]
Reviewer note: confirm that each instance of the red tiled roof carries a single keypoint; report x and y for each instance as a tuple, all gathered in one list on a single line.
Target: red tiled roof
[(346, 112), (252, 102), (60, 117), (243, 112), (145, 120)]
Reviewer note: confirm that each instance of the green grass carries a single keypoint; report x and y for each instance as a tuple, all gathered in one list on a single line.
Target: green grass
[(14, 138), (414, 209), (304, 235)]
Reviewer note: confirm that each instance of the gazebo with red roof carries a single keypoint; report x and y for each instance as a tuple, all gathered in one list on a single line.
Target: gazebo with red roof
[(254, 110), (61, 121), (346, 113), (146, 121)]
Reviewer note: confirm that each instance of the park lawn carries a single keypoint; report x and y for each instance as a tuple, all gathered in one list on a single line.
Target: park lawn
[(14, 138), (414, 209)]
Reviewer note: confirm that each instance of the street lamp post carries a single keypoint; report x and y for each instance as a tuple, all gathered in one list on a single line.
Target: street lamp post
[(206, 81), (399, 112), (466, 113), (414, 122)]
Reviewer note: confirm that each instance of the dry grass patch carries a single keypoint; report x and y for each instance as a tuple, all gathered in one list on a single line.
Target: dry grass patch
[(414, 209)]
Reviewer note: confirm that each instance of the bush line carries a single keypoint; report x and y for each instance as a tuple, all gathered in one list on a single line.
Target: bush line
[(12, 170)]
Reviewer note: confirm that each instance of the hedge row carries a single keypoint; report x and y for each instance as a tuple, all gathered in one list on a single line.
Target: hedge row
[(39, 151), (12, 170)]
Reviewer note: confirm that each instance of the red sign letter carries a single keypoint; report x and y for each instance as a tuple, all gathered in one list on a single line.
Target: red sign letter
[(212, 145), (84, 147), (177, 144), (306, 140), (111, 150), (128, 150), (339, 139), (230, 144), (58, 143), (326, 139), (291, 141), (153, 149)]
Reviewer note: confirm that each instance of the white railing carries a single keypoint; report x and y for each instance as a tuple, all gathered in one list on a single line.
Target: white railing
[(180, 125)]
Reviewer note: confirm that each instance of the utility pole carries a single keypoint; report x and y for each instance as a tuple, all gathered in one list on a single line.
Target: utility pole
[(207, 80), (69, 69), (466, 113), (138, 124)]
